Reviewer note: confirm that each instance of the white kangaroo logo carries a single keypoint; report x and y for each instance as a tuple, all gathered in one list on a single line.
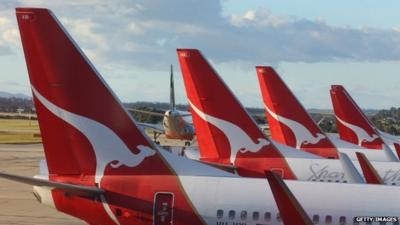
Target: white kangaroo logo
[(238, 139), (108, 147), (301, 133), (361, 134)]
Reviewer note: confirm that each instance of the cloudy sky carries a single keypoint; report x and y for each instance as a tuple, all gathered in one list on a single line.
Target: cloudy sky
[(312, 44)]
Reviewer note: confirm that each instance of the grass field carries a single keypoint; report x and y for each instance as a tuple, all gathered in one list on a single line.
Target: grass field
[(17, 131)]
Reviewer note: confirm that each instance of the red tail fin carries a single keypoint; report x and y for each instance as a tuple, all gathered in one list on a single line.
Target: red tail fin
[(289, 122), (84, 127), (352, 123), (370, 173), (225, 132), (86, 131)]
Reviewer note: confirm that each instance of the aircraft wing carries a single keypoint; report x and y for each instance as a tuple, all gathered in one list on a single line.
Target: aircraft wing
[(146, 112), (290, 209), (80, 190), (155, 127)]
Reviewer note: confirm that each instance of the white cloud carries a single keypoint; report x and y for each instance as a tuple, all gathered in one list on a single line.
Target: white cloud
[(258, 18), (145, 34), (135, 28)]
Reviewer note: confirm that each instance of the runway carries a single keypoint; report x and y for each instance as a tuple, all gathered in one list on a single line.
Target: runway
[(18, 206)]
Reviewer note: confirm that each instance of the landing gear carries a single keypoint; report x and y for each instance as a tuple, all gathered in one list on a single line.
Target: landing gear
[(155, 137), (187, 143)]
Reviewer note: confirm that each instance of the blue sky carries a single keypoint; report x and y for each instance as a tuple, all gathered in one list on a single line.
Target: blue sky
[(312, 44)]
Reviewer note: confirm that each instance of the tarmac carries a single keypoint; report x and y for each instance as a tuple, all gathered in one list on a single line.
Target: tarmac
[(18, 206)]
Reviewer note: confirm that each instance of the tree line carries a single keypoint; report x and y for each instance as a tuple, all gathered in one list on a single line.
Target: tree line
[(387, 120)]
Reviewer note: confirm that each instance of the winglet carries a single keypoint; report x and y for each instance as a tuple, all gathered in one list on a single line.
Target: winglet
[(289, 208), (397, 148), (370, 174), (350, 170)]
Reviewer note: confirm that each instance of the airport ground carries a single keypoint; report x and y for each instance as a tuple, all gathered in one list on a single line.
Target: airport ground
[(18, 206), (20, 153), (19, 131)]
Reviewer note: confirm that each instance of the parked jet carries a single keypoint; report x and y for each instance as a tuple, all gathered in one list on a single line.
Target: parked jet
[(290, 123), (354, 126), (174, 125), (105, 171), (228, 135)]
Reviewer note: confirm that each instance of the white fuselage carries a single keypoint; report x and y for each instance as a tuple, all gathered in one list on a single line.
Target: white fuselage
[(372, 154), (308, 167), (330, 170), (248, 196), (221, 198)]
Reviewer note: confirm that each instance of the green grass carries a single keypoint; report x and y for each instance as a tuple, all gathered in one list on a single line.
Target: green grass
[(16, 131)]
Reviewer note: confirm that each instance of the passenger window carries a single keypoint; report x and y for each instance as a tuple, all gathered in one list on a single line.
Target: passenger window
[(315, 219), (267, 216), (220, 213), (342, 220), (328, 220), (231, 214), (256, 215), (243, 215), (278, 217)]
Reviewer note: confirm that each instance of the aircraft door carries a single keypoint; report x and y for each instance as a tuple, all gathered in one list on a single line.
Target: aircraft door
[(163, 208)]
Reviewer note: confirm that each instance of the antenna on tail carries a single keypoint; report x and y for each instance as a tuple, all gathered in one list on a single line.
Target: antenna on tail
[(172, 91)]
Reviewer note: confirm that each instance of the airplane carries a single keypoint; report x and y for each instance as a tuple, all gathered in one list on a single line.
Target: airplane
[(174, 125), (290, 123), (228, 135), (107, 174), (354, 126)]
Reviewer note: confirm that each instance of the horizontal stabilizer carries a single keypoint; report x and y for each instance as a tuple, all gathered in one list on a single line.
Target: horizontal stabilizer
[(71, 188), (221, 166), (146, 112), (154, 127)]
